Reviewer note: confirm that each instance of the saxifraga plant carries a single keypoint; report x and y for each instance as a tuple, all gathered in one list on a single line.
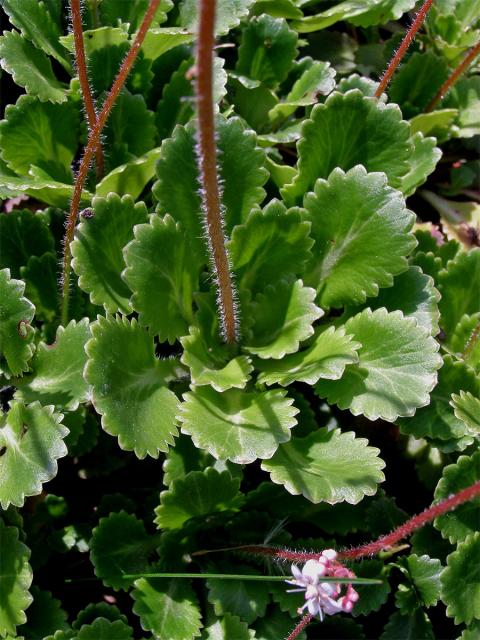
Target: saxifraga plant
[(252, 311)]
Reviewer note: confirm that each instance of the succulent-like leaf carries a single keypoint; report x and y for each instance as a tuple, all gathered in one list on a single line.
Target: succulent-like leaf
[(228, 15), (210, 360), (423, 586), (362, 131), (466, 408), (168, 608), (327, 466), (396, 370), (24, 234), (15, 578), (282, 317), (57, 369), (457, 284), (199, 493), (44, 616), (30, 68), (414, 294), (129, 386), (16, 314), (163, 272), (461, 581), (414, 626), (31, 441), (228, 627), (42, 134), (270, 245), (37, 25), (437, 419), (422, 161), (246, 599), (120, 545), (98, 246), (352, 215), (236, 425), (267, 50), (241, 170), (465, 519), (103, 628), (326, 357)]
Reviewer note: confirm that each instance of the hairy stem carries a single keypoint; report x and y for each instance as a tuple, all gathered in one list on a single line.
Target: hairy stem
[(402, 49), (454, 76), (300, 626), (92, 144), (384, 542), (471, 342), (207, 164), (81, 63)]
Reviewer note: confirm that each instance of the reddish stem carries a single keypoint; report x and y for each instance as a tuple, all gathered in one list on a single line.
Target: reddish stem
[(300, 626), (389, 540), (92, 144), (397, 58), (455, 75), (207, 164), (83, 77)]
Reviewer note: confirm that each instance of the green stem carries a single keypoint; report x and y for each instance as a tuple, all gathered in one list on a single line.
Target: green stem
[(207, 164), (92, 144)]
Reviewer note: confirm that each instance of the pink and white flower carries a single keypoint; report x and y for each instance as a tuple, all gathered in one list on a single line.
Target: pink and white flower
[(324, 598)]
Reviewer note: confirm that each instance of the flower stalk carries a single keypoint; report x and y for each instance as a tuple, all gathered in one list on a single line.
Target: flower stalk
[(207, 165), (402, 49), (81, 63), (454, 76), (91, 147)]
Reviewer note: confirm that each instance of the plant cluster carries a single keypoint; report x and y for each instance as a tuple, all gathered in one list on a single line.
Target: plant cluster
[(264, 304)]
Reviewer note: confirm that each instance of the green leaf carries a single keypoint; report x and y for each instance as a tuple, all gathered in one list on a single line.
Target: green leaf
[(130, 130), (130, 178), (466, 408), (457, 284), (96, 39), (15, 578), (414, 294), (274, 625), (318, 78), (97, 610), (44, 616), (98, 250), (129, 386), (240, 167), (461, 581), (415, 626), (243, 598), (57, 369), (228, 627), (168, 608), (102, 629), (237, 425), (362, 130), (270, 245), (120, 545), (41, 134), (463, 342), (163, 273), (372, 597), (267, 50), (228, 14), (40, 275), (422, 162), (360, 12), (23, 234), (423, 587), (158, 41), (353, 215), (435, 123), (212, 361), (30, 68), (16, 314), (438, 420), (183, 458), (132, 12), (326, 357), (396, 370), (37, 25), (31, 441), (465, 519), (465, 96), (472, 632), (199, 493), (327, 466), (282, 317)]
